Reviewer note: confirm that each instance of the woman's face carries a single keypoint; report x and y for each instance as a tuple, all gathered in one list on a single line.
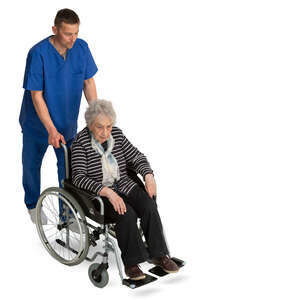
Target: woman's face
[(101, 128)]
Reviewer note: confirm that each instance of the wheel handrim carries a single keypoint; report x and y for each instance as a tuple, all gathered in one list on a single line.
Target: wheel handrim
[(62, 243)]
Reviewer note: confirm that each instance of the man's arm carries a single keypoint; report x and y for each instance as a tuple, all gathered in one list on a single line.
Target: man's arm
[(90, 90), (42, 111)]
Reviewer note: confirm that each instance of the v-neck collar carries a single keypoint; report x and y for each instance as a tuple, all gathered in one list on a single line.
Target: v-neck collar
[(55, 50)]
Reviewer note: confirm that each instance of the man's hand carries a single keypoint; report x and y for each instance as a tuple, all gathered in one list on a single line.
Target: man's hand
[(150, 185), (116, 201), (55, 137)]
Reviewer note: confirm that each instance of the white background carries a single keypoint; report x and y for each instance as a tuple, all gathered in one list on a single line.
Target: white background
[(209, 91)]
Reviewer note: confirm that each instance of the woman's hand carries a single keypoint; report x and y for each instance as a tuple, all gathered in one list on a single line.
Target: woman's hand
[(150, 185), (116, 201)]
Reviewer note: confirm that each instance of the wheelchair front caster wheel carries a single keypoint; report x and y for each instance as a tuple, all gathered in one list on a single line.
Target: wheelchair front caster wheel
[(99, 282)]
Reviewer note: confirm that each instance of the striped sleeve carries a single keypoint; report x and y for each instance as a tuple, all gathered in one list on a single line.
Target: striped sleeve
[(79, 170), (134, 156)]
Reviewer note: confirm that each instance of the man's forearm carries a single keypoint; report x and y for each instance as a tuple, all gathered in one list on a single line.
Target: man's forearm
[(90, 90), (42, 110)]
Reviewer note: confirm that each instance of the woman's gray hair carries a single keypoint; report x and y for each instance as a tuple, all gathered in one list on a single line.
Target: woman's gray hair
[(99, 107)]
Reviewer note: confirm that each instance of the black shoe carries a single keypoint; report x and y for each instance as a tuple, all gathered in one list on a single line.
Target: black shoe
[(134, 273), (167, 264)]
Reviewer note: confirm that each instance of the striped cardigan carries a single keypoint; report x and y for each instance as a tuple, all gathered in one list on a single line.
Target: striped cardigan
[(87, 168)]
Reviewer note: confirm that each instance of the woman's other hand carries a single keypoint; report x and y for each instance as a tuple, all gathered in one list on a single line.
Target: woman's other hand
[(116, 201), (150, 185)]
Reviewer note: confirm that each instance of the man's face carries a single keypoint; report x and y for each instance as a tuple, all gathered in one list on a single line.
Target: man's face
[(66, 34)]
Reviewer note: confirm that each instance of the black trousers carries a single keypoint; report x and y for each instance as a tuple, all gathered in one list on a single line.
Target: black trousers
[(138, 205)]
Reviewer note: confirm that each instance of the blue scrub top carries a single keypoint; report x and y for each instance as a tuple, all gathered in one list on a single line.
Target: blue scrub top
[(61, 82)]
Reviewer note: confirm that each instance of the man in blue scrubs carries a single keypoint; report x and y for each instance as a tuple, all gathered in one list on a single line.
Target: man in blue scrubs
[(58, 69)]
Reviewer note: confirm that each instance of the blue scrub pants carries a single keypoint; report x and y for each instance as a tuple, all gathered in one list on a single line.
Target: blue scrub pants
[(34, 149)]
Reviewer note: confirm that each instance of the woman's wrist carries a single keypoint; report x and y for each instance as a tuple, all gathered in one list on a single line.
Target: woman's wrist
[(106, 192), (149, 176)]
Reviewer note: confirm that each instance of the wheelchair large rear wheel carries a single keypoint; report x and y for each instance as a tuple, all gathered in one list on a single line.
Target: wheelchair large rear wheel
[(65, 236)]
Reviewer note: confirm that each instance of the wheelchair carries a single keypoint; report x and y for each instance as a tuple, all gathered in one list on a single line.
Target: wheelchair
[(68, 235)]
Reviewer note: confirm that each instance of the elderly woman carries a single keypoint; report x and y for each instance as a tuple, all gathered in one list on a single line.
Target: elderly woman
[(100, 154)]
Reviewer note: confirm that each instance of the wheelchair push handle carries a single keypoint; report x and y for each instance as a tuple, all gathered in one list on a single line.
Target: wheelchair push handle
[(64, 146)]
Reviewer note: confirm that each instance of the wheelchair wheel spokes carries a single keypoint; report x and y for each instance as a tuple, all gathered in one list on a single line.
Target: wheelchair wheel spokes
[(50, 209), (65, 236)]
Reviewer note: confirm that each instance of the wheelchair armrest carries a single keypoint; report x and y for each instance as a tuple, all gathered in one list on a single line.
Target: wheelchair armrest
[(133, 175), (91, 204)]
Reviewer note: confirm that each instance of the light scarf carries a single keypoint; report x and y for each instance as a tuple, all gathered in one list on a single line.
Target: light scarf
[(110, 168)]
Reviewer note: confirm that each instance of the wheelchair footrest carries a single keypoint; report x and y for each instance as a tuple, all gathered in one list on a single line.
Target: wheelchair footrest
[(158, 271), (138, 283)]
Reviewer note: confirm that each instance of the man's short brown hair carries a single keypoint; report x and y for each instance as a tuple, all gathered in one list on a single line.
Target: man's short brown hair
[(67, 16)]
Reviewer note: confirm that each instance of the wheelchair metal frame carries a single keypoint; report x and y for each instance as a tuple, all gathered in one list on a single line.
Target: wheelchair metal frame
[(92, 207)]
